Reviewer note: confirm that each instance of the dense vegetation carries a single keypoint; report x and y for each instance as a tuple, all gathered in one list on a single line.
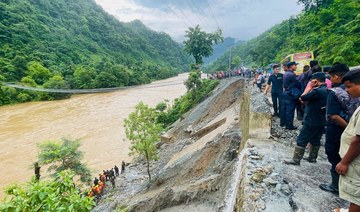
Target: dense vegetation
[(75, 44), (58, 194), (330, 29)]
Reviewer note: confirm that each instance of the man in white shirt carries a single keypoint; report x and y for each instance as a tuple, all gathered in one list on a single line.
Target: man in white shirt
[(349, 166)]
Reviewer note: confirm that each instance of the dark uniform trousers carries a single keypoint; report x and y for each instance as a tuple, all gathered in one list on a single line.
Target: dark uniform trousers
[(332, 144), (287, 110), (310, 134), (277, 99)]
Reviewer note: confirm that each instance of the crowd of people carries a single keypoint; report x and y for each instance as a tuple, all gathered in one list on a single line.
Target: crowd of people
[(326, 100), (242, 72), (99, 185)]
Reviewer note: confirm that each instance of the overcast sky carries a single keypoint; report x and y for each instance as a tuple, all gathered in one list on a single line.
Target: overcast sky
[(240, 19)]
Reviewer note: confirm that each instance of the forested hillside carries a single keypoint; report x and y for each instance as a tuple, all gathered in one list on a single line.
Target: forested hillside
[(75, 44), (330, 29)]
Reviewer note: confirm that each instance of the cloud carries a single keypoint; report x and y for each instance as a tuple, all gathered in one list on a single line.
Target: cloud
[(241, 19)]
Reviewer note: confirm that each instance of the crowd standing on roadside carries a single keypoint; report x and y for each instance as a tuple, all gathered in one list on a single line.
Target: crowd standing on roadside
[(329, 103)]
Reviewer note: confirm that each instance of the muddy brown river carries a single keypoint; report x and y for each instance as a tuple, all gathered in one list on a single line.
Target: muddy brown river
[(95, 119)]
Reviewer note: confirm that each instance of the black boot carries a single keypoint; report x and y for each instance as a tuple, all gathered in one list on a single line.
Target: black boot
[(298, 155), (333, 187), (313, 154)]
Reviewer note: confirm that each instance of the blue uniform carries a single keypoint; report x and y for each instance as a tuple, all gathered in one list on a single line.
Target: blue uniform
[(276, 91), (314, 118), (290, 97)]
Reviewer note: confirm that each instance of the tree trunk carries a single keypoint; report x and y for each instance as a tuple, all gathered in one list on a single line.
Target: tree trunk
[(148, 167)]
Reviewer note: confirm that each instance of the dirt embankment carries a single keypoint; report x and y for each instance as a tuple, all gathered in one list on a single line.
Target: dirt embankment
[(201, 169)]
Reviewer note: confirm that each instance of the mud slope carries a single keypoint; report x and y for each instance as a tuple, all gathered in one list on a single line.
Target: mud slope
[(197, 158)]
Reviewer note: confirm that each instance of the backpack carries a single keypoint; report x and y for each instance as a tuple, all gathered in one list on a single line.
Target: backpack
[(348, 103)]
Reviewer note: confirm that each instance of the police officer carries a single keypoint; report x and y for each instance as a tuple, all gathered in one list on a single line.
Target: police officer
[(315, 94), (290, 96), (275, 80)]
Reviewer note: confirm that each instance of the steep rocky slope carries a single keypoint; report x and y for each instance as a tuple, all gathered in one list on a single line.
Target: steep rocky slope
[(196, 163)]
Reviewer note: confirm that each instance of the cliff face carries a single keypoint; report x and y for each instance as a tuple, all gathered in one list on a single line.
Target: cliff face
[(208, 163)]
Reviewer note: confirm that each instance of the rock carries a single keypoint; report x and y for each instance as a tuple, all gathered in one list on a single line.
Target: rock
[(165, 138), (268, 169), (260, 204), (189, 129), (286, 189), (270, 182), (278, 188), (258, 175), (255, 157)]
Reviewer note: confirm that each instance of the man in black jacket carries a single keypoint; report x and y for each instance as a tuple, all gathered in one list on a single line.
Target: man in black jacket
[(315, 94)]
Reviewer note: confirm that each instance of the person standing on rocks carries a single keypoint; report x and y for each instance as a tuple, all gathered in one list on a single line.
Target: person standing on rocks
[(122, 167), (337, 119), (315, 94), (290, 96), (275, 80), (116, 171), (349, 166), (37, 171)]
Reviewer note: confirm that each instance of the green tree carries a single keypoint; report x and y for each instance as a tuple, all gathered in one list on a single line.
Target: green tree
[(236, 61), (28, 81), (193, 82), (38, 72), (59, 194), (57, 82), (199, 44), (143, 131), (84, 77), (63, 155)]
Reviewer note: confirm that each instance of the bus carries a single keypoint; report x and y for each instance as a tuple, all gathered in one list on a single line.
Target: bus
[(302, 59)]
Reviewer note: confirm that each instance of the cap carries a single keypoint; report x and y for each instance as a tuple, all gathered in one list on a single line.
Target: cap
[(289, 64), (318, 75)]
